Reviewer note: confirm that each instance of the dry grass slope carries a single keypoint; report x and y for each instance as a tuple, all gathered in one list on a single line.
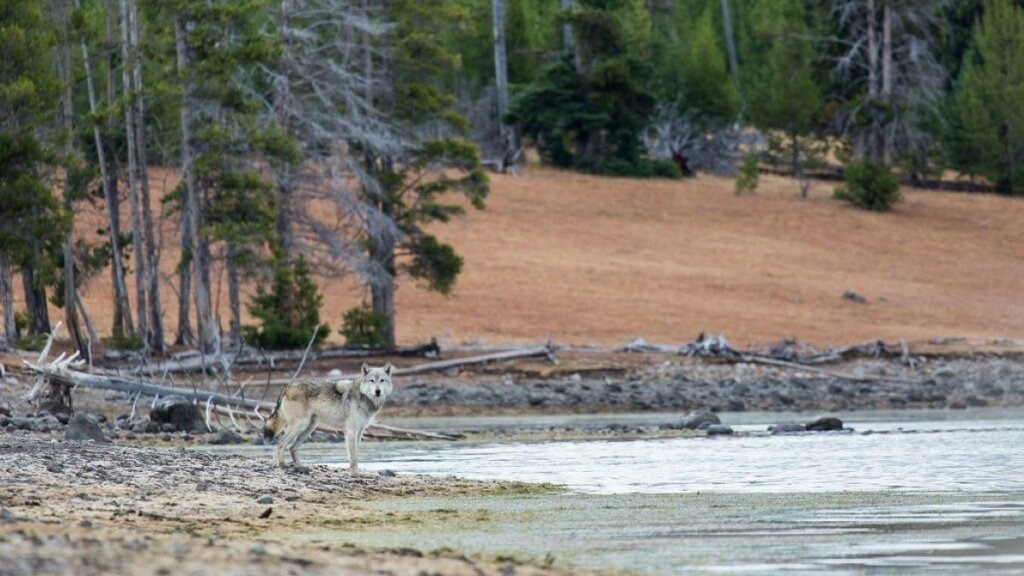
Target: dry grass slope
[(590, 259)]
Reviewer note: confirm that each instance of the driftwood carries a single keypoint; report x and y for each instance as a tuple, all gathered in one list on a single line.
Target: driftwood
[(529, 352), (63, 372), (784, 355), (193, 361)]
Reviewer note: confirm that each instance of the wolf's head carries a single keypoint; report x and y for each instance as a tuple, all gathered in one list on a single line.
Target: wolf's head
[(376, 384)]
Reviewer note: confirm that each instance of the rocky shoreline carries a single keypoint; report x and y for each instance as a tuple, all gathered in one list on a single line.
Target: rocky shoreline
[(86, 508), (690, 384)]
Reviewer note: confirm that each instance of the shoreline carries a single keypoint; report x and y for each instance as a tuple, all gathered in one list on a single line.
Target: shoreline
[(89, 508)]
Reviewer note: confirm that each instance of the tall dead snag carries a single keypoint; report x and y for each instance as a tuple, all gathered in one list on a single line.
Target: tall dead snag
[(7, 301), (155, 334), (141, 267), (122, 311), (67, 114), (501, 71), (199, 254)]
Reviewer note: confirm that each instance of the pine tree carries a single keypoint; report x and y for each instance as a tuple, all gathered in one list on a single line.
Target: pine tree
[(31, 225), (706, 84), (784, 95), (987, 133)]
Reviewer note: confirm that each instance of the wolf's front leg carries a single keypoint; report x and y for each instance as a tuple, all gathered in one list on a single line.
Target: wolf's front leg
[(352, 437)]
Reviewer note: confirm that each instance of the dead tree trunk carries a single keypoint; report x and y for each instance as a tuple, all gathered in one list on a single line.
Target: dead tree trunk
[(204, 318), (568, 41), (285, 177), (35, 301), (730, 45), (155, 335), (123, 325), (67, 109), (133, 174), (185, 335), (7, 300), (500, 63), (382, 289), (234, 289), (887, 143), (122, 322)]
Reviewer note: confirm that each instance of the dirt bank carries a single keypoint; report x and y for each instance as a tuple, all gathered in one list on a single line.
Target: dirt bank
[(84, 508)]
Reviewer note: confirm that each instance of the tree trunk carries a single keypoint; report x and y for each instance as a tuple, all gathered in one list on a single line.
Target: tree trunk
[(234, 289), (122, 317), (204, 318), (185, 335), (123, 325), (568, 41), (67, 120), (141, 269), (7, 300), (284, 177), (155, 336), (887, 143), (501, 81), (730, 45), (798, 166), (382, 290), (35, 302), (872, 134)]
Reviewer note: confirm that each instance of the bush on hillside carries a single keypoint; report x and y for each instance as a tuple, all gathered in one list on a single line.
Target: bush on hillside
[(364, 327), (288, 312), (869, 185)]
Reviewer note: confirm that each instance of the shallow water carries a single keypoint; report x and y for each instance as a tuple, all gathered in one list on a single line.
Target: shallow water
[(923, 455), (903, 494)]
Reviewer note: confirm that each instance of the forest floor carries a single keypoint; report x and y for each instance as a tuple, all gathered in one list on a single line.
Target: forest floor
[(587, 259)]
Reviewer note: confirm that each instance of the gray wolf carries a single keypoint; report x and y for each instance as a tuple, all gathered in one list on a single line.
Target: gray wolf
[(347, 404)]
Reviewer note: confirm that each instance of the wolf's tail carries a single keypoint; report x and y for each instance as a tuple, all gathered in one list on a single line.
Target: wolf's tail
[(270, 425)]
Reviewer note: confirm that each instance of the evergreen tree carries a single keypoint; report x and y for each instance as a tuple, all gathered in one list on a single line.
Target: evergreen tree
[(987, 130), (706, 85), (784, 95), (31, 225)]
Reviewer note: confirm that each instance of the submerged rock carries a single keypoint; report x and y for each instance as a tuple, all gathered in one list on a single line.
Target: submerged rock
[(695, 419), (786, 428), (226, 437), (719, 430)]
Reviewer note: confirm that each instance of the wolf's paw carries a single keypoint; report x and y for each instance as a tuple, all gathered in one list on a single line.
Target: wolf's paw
[(360, 474)]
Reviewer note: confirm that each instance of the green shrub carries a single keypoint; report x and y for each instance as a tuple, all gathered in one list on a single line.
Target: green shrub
[(122, 341), (32, 342), (289, 311), (748, 178), (869, 185), (364, 327)]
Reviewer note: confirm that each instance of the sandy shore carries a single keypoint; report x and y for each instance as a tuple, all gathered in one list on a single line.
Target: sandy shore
[(84, 508)]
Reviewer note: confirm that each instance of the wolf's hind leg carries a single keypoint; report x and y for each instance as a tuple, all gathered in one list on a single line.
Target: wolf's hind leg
[(302, 437), (279, 448)]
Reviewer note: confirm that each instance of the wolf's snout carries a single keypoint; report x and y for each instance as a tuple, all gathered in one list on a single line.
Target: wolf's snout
[(377, 392)]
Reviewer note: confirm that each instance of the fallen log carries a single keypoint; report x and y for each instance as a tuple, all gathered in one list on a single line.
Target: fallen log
[(61, 373), (193, 361), (529, 352)]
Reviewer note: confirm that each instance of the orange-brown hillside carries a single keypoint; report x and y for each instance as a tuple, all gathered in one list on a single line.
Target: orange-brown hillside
[(588, 259)]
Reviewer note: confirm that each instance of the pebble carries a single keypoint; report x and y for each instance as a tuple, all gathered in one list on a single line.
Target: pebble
[(265, 499)]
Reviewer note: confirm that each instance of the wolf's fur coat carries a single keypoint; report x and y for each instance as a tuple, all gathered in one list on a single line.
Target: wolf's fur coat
[(347, 404)]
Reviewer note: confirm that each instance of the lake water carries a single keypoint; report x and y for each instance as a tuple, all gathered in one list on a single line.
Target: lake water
[(904, 493), (915, 455)]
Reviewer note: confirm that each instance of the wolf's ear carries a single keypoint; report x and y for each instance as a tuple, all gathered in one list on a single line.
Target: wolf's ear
[(366, 369), (388, 368)]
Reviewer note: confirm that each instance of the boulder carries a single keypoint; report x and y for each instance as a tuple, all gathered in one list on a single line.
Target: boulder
[(177, 413), (226, 437), (786, 428), (824, 424), (693, 420), (84, 427), (719, 430)]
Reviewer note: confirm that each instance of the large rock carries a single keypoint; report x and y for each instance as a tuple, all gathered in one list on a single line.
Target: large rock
[(786, 428), (226, 437), (84, 427), (718, 430), (825, 424), (179, 412), (695, 419)]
